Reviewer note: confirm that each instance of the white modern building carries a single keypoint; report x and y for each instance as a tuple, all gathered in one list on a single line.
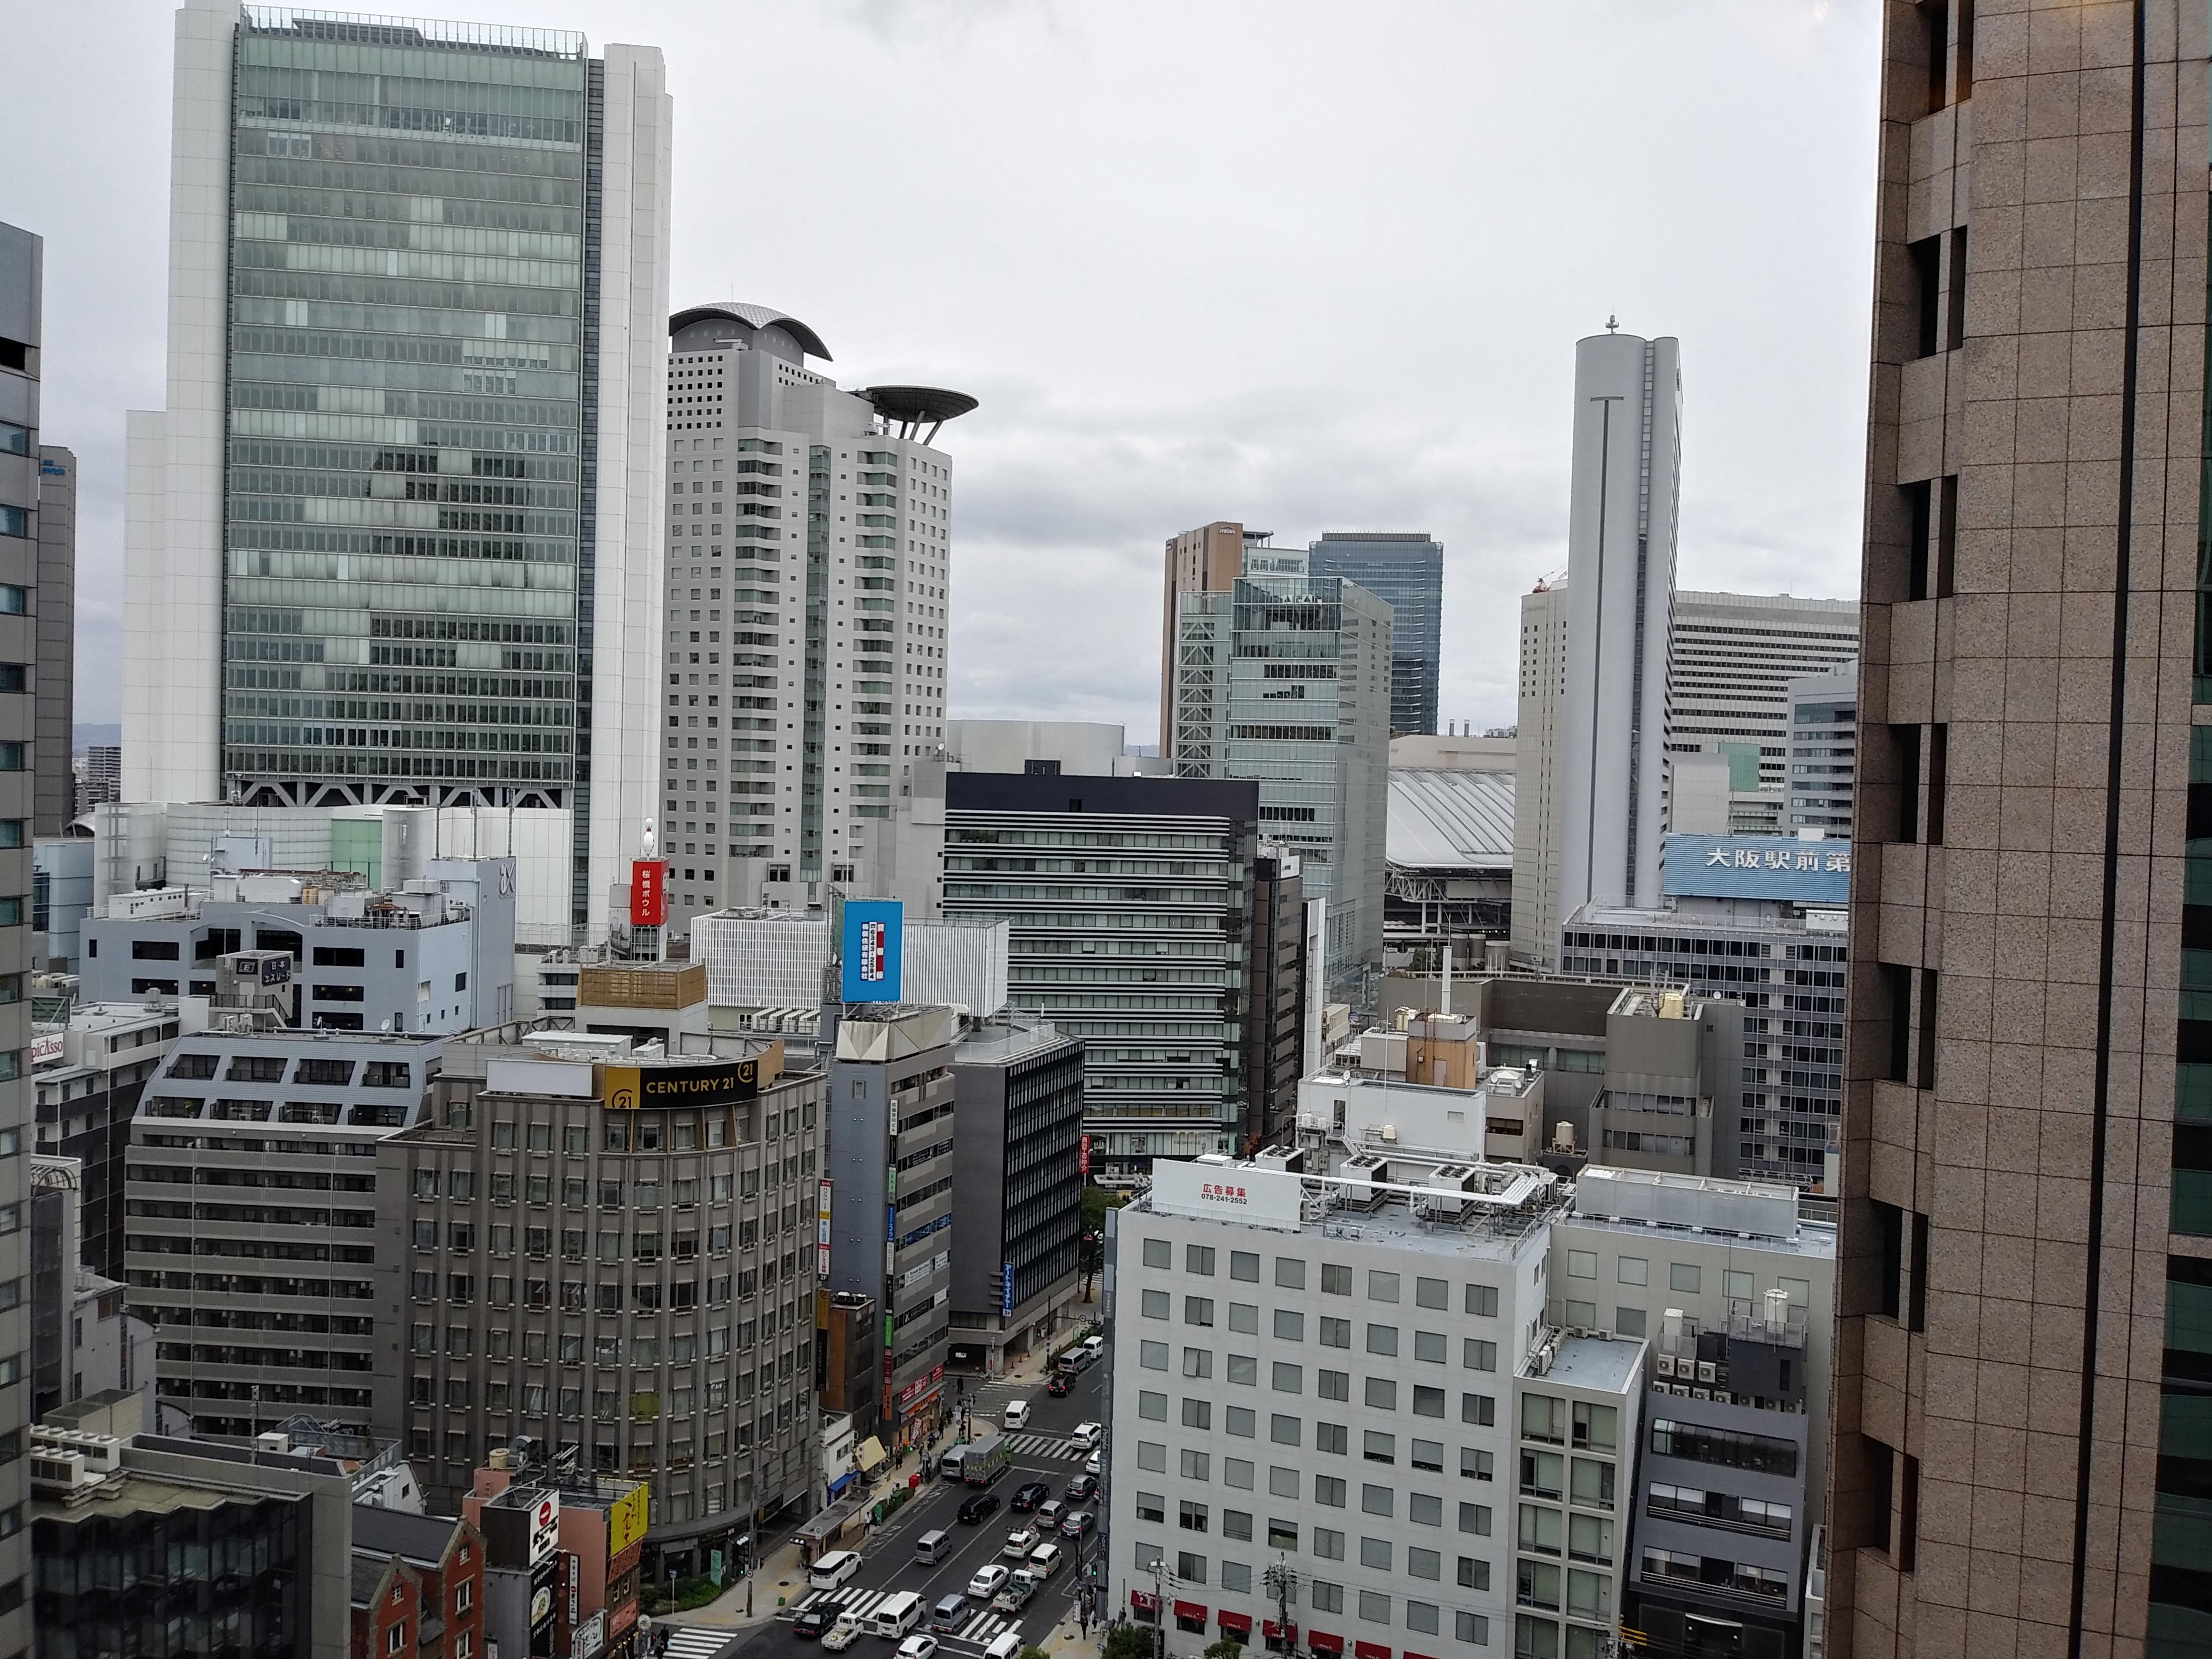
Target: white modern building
[(1312, 1439), (1620, 588), (395, 536), (809, 564)]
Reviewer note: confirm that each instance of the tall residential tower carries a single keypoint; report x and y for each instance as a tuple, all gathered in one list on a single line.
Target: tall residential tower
[(809, 563), (2023, 1429), (395, 536)]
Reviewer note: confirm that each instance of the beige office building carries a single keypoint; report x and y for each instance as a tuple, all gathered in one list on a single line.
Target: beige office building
[(2023, 1428)]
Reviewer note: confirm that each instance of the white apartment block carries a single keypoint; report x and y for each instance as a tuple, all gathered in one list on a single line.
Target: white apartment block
[(808, 572), (1318, 1392)]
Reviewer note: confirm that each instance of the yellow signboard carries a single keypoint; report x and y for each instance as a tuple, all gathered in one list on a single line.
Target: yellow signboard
[(626, 1520)]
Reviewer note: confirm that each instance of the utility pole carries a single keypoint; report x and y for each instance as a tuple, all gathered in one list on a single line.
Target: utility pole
[(1282, 1582)]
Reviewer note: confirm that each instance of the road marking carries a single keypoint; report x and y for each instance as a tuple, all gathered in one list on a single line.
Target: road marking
[(691, 1641)]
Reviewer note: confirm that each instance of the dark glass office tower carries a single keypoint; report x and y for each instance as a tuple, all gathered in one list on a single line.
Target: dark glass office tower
[(1407, 570)]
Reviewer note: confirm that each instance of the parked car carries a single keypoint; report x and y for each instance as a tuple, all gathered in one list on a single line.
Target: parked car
[(1029, 1495), (1087, 1436), (1061, 1386), (1078, 1524), (811, 1622), (919, 1645), (841, 1635), (1049, 1514), (1081, 1490), (1020, 1542), (990, 1578), (980, 1506)]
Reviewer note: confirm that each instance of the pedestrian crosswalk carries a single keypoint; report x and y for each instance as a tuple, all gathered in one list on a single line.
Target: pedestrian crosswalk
[(695, 1642), (1044, 1445), (982, 1625)]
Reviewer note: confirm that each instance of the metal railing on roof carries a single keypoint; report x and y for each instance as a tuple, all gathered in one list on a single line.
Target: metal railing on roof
[(366, 28)]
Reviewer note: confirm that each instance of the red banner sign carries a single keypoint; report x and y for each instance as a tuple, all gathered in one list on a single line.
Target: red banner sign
[(1083, 1160), (648, 893)]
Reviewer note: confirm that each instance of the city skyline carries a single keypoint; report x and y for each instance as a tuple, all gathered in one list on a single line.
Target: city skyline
[(1046, 539)]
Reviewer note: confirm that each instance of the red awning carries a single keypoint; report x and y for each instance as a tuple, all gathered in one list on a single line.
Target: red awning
[(1370, 1650), (1323, 1641), (1194, 1611), (1237, 1621), (1144, 1599), (1269, 1628)]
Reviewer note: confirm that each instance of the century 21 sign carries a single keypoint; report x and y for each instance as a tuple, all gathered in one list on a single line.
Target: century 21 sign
[(658, 1088)]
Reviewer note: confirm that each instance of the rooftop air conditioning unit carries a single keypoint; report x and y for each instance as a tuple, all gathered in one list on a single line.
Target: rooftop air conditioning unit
[(1665, 1365), (1708, 1371), (1390, 1133), (1701, 1394)]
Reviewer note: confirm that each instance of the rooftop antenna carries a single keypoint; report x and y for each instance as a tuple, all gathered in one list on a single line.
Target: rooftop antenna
[(1612, 324)]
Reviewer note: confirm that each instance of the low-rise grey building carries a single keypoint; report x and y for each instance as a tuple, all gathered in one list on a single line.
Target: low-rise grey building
[(89, 1074), (252, 1241), (1736, 1293), (613, 1252), (1017, 1188), (83, 1341), (220, 1546), (890, 1170), (437, 955)]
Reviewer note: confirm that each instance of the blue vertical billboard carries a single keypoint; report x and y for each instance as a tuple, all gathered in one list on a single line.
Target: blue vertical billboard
[(873, 937)]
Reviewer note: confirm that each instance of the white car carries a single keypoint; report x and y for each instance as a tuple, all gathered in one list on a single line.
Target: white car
[(919, 1645), (988, 1581), (1095, 1463), (1087, 1436), (841, 1635), (1020, 1542)]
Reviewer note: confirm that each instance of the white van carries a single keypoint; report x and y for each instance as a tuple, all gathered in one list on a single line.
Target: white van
[(1006, 1645), (896, 1614), (1018, 1415), (1044, 1560), (830, 1570)]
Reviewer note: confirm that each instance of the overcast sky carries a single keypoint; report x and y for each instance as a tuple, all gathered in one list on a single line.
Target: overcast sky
[(1310, 266)]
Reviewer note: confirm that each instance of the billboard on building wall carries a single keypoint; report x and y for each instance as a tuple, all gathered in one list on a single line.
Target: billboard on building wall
[(1757, 868), (626, 1520), (648, 893), (872, 944)]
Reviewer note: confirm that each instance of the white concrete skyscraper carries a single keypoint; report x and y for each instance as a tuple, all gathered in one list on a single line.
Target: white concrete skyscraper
[(808, 568), (397, 537), (1620, 584)]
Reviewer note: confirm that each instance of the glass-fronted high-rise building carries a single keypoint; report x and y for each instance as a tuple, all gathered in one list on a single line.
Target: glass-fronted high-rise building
[(396, 538), (1286, 680), (1405, 570)]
